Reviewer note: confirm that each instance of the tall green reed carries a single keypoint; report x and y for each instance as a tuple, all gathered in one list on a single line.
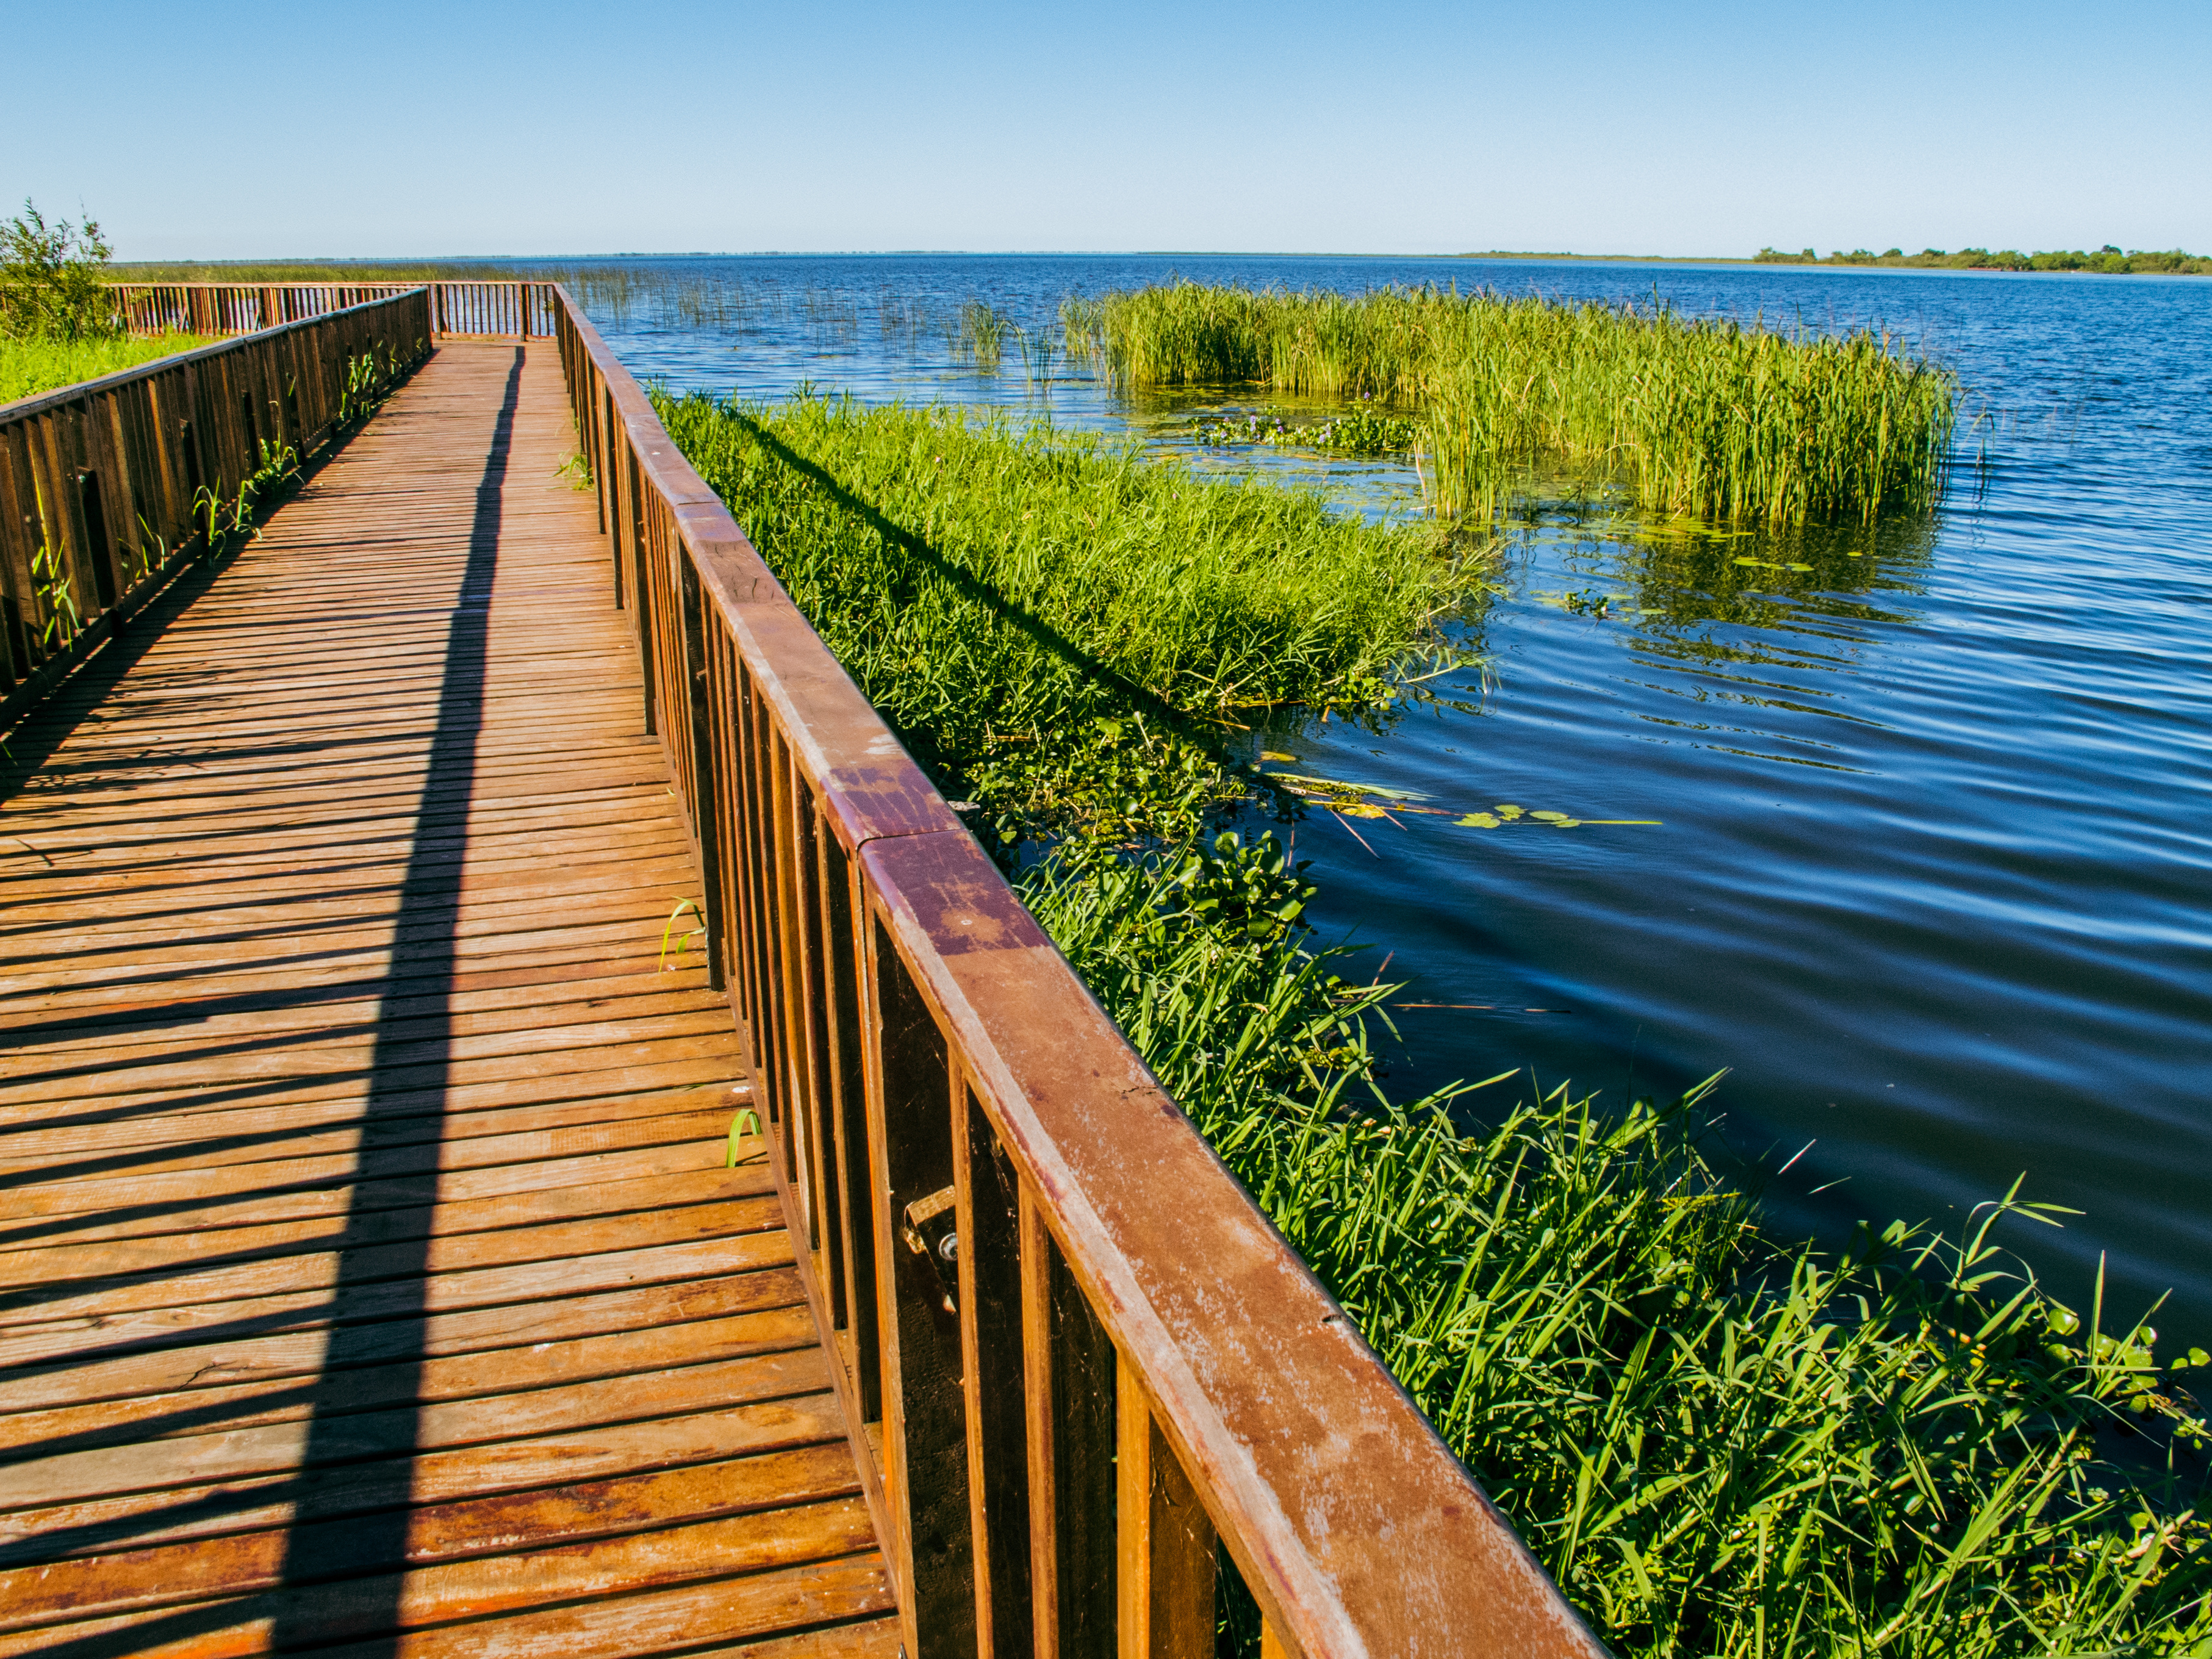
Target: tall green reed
[(1212, 596), (1001, 591), (980, 336), (1717, 1443), (1691, 415)]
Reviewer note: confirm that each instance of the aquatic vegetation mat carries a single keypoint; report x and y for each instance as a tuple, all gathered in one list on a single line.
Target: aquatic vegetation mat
[(1717, 1443), (1695, 415), (1359, 431)]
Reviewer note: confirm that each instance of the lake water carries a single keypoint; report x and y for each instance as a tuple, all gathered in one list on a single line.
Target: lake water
[(1934, 873)]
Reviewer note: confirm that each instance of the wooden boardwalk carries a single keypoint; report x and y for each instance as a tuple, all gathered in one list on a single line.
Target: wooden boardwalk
[(370, 1280)]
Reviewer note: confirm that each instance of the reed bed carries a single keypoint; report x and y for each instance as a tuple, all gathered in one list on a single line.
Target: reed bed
[(1058, 627), (1716, 1442), (30, 366), (1693, 415)]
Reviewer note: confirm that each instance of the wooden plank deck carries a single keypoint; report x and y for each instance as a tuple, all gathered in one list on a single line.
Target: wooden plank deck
[(369, 1277)]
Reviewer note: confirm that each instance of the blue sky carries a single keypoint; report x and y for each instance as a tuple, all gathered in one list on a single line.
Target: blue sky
[(230, 130)]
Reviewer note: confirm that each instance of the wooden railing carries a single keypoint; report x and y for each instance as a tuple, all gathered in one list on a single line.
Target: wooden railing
[(1071, 1352), (239, 308), (495, 310), (104, 485)]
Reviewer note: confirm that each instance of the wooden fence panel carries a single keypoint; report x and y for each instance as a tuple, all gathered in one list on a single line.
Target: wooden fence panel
[(512, 309), (100, 483)]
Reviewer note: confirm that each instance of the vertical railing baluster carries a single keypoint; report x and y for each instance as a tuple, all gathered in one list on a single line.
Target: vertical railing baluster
[(924, 1443), (990, 1255), (640, 585), (705, 795), (1165, 1570)]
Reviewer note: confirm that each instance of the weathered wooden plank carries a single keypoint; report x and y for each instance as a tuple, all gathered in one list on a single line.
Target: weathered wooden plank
[(34, 1343), (594, 1453), (560, 1241), (369, 1271), (509, 1417), (300, 1350), (191, 1570), (789, 1598), (235, 1405), (71, 1197), (144, 1218), (203, 1237), (146, 1142)]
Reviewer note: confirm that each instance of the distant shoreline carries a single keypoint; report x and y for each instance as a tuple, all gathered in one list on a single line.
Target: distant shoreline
[(2108, 262)]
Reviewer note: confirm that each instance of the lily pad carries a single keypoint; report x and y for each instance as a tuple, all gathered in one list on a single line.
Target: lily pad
[(1479, 821), (1549, 817), (1361, 810), (1507, 811)]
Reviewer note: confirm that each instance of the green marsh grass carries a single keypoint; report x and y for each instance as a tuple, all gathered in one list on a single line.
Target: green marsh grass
[(1000, 590), (1717, 1443), (1705, 417), (30, 366)]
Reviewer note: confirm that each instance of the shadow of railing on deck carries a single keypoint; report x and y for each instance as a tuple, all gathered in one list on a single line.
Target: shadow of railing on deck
[(376, 1541)]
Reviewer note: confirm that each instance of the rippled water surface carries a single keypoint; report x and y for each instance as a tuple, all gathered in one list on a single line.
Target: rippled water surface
[(1934, 872)]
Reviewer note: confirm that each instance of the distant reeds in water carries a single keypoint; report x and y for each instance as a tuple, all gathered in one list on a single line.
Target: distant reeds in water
[(1702, 415), (981, 335)]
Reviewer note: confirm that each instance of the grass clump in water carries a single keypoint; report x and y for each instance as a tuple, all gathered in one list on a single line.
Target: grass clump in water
[(30, 366), (1717, 1443), (1692, 415), (1058, 627)]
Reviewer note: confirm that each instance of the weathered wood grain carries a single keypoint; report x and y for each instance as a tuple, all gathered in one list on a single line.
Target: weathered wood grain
[(369, 1271)]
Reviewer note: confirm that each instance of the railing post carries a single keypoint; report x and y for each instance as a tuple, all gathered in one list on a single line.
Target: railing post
[(1068, 1388), (988, 1251), (639, 550), (925, 1440), (705, 785), (1165, 1571), (610, 442)]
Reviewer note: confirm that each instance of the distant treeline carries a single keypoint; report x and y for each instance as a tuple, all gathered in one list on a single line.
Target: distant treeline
[(2108, 259), (309, 271)]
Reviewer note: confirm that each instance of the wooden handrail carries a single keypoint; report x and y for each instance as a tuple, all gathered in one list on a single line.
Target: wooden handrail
[(101, 482), (1071, 1351), (504, 310)]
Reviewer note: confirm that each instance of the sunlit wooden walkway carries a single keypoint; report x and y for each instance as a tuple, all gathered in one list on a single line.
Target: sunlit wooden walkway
[(369, 1277)]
